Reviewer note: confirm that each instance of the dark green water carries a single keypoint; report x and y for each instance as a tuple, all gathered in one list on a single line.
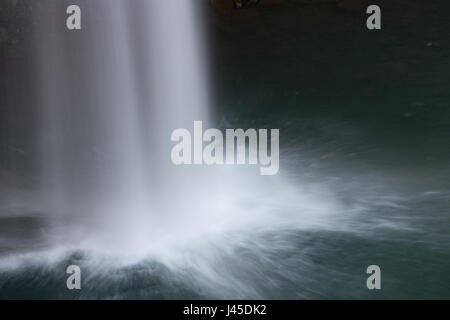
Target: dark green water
[(368, 111)]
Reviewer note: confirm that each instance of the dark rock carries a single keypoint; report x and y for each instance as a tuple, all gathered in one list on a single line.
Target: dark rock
[(3, 35)]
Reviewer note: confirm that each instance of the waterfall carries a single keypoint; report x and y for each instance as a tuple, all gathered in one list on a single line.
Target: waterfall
[(109, 97), (99, 192), (111, 93)]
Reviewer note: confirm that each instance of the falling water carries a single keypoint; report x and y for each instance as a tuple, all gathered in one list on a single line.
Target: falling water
[(112, 94), (106, 119)]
